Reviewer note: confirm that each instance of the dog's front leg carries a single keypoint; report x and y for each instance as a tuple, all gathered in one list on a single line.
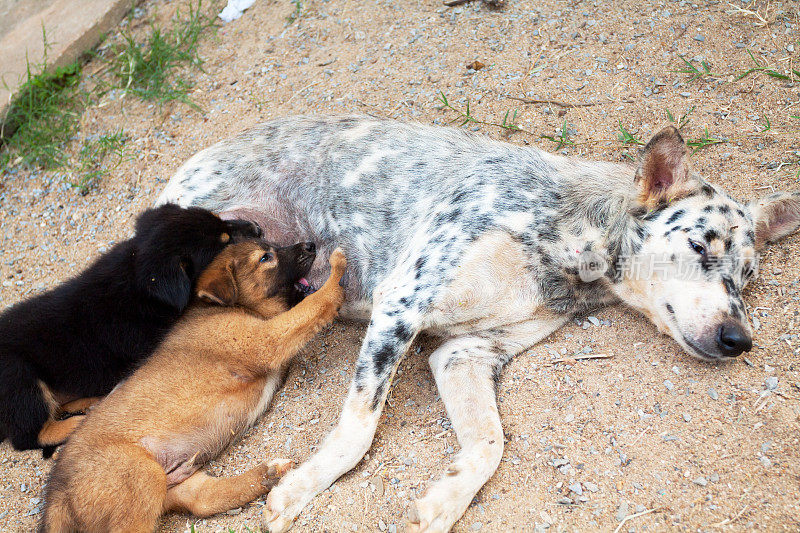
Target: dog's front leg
[(395, 321), (465, 369)]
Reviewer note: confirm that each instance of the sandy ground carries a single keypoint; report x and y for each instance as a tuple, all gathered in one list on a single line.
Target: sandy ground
[(588, 442)]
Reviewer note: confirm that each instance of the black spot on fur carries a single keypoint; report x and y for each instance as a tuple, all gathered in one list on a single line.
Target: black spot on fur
[(674, 217), (710, 235)]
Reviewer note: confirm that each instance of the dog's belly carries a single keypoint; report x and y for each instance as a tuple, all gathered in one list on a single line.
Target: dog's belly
[(181, 455)]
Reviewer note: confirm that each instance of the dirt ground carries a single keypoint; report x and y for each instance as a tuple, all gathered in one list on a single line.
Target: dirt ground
[(703, 447)]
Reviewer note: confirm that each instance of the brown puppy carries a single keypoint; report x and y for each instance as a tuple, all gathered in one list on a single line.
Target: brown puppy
[(138, 452)]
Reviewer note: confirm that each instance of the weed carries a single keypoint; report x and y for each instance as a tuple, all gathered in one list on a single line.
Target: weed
[(705, 140), (43, 115), (562, 139), (695, 73), (627, 137), (294, 15), (508, 124), (793, 74), (680, 123), (766, 123), (91, 158), (149, 70)]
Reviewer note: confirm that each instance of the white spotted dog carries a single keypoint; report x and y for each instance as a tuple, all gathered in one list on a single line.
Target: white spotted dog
[(489, 245)]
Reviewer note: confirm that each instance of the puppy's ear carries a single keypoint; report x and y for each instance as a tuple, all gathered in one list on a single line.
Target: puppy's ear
[(664, 171), (217, 285), (775, 216), (168, 282)]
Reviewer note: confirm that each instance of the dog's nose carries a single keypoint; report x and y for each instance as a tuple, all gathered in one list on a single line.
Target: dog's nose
[(309, 247), (732, 340)]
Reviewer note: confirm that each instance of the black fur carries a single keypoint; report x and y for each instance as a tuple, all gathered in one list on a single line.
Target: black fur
[(81, 338)]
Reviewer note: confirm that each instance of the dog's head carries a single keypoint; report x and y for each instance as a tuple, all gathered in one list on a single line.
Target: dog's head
[(258, 276), (696, 250), (173, 245)]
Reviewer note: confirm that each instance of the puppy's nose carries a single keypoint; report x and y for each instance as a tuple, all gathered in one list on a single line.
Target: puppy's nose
[(309, 247), (732, 340)]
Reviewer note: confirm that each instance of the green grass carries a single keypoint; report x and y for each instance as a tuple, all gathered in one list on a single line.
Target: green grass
[(151, 70), (703, 141), (91, 165), (294, 15), (684, 120), (42, 116), (562, 139), (703, 70), (627, 137), (509, 122)]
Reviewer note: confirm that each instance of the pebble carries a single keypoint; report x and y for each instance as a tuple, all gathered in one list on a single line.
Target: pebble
[(765, 461), (381, 525), (714, 478), (591, 487), (771, 382), (713, 393), (593, 320), (700, 481), (576, 488), (699, 38), (668, 384), (477, 526), (687, 417), (686, 94), (622, 511)]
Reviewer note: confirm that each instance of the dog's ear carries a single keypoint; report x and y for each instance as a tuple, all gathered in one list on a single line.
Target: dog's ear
[(775, 216), (168, 282), (217, 285), (664, 171)]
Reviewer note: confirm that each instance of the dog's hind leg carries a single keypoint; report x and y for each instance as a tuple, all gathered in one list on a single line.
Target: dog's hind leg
[(464, 369), (79, 406), (203, 495)]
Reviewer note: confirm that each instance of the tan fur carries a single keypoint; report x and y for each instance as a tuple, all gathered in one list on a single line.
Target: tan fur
[(56, 430), (138, 452)]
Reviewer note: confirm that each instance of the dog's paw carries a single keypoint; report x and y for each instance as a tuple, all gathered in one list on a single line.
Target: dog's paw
[(277, 516), (428, 517), (338, 263), (274, 470)]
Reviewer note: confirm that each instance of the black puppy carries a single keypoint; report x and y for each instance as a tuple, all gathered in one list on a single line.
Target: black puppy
[(77, 341)]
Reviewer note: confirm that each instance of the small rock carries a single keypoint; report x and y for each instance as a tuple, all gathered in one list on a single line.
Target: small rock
[(686, 94), (576, 488), (381, 525), (668, 384), (477, 526), (476, 65), (700, 481), (593, 320), (714, 478), (687, 417), (565, 501), (23, 488), (713, 393), (765, 461), (756, 323), (771, 382), (234, 512), (591, 487), (699, 38), (622, 511)]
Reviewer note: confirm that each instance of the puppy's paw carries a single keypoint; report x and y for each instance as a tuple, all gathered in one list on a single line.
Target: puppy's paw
[(274, 470), (338, 263)]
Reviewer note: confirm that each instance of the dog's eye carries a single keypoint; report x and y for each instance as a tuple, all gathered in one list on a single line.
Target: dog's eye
[(266, 257), (697, 247)]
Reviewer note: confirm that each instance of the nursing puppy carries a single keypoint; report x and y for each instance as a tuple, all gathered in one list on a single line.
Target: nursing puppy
[(75, 342), (138, 452)]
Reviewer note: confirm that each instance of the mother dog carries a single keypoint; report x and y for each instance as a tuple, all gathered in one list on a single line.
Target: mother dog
[(489, 245)]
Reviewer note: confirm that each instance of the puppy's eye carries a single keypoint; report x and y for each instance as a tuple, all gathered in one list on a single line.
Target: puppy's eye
[(266, 257), (697, 247)]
